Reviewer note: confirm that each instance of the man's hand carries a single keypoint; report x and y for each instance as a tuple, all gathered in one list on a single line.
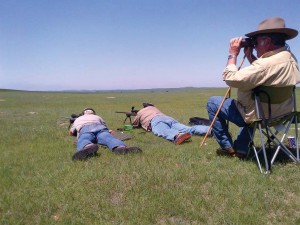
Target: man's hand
[(72, 133), (249, 54), (136, 126), (234, 49), (235, 46)]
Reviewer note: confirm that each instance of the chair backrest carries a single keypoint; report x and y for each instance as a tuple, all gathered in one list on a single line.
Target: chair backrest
[(273, 95)]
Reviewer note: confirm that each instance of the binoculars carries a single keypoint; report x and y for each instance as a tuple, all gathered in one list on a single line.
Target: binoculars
[(248, 42)]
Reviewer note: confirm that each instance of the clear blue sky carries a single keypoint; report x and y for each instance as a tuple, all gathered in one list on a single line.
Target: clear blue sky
[(126, 44)]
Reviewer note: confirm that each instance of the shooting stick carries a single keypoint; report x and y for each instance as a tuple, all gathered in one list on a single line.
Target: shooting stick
[(217, 113), (219, 109)]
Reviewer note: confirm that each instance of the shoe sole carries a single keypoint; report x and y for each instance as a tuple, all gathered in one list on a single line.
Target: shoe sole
[(83, 154), (183, 138)]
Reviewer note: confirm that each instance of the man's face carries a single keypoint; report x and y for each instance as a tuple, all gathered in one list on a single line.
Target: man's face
[(262, 45)]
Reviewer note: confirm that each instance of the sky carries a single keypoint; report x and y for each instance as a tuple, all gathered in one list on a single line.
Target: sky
[(56, 45)]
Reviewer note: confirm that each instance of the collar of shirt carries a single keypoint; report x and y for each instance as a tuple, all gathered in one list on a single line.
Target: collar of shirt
[(270, 53)]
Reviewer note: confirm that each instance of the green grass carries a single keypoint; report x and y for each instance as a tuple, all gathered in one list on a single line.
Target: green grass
[(166, 184)]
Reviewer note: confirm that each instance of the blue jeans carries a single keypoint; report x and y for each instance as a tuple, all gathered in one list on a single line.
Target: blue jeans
[(168, 128), (99, 134), (229, 112)]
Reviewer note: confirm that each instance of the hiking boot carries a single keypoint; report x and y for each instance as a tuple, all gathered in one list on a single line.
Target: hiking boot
[(240, 155), (87, 151), (226, 152), (122, 150), (182, 137), (231, 153)]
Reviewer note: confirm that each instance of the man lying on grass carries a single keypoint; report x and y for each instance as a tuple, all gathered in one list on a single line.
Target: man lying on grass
[(91, 130), (152, 119)]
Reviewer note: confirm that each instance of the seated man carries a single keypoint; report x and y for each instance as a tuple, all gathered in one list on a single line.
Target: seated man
[(92, 130), (275, 66), (151, 119)]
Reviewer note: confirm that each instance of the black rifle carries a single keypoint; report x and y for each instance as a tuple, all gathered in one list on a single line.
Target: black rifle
[(72, 118), (133, 112)]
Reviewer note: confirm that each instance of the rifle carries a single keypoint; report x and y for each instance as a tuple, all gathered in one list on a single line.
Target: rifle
[(72, 118), (133, 112)]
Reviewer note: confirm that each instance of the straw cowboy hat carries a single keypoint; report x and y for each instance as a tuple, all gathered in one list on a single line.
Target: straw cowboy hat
[(274, 25)]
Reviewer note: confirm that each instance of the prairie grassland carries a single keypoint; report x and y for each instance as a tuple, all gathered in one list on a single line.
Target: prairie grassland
[(166, 184)]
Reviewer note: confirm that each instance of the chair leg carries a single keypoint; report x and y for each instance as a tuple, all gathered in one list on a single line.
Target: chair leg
[(257, 158), (296, 137), (280, 144), (264, 150)]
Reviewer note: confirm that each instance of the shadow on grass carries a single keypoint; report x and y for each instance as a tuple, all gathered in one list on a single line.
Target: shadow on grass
[(281, 158)]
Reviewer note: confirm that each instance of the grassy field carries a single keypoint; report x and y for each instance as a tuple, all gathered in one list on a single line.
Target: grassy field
[(166, 184)]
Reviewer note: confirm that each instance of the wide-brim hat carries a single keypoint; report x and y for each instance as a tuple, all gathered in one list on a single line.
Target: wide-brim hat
[(274, 25), (146, 104)]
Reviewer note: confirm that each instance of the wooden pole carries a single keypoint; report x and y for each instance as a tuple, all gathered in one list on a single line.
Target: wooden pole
[(221, 105), (217, 113)]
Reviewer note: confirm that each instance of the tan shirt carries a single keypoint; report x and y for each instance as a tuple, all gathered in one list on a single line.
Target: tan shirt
[(145, 115), (86, 119), (276, 68)]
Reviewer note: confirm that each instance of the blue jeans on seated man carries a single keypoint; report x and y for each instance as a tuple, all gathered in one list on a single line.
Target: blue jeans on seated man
[(228, 112), (168, 128), (96, 133)]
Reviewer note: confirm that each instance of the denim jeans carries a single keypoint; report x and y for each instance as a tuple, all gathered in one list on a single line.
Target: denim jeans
[(229, 112), (168, 128), (99, 134)]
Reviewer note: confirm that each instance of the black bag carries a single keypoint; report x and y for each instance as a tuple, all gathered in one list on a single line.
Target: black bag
[(199, 121)]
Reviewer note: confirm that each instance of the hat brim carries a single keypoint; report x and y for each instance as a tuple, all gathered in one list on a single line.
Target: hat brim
[(290, 33)]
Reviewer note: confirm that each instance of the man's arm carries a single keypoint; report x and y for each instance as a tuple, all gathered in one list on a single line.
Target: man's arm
[(73, 131), (136, 121), (249, 54)]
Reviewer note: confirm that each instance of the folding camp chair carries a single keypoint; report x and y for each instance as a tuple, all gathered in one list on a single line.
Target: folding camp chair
[(274, 131)]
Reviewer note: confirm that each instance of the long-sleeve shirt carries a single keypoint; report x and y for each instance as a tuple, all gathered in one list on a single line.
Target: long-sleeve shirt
[(144, 116), (86, 119), (277, 68)]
